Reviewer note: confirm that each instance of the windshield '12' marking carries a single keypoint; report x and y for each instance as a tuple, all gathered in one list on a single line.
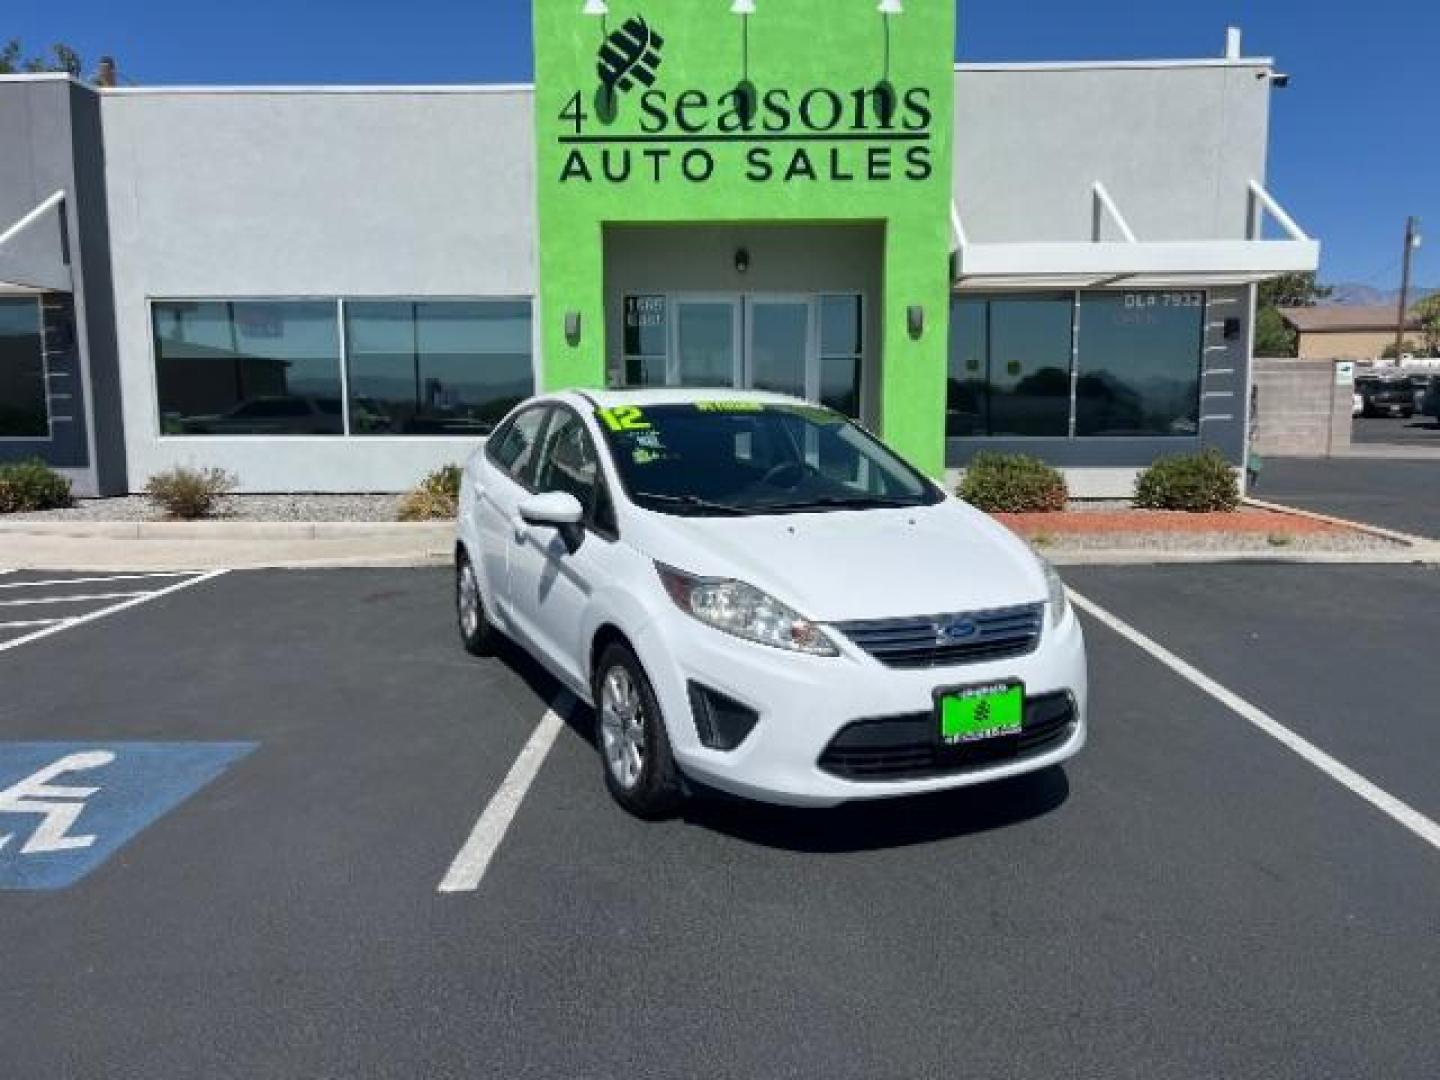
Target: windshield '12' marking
[(624, 418)]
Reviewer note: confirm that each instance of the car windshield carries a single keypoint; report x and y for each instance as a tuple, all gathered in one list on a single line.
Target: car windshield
[(728, 458)]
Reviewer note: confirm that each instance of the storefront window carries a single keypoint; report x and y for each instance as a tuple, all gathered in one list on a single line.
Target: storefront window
[(966, 412), (23, 394), (436, 367), (842, 344), (646, 340), (1010, 365), (248, 367), (1139, 363)]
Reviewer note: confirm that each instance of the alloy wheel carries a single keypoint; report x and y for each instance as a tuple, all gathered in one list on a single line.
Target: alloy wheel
[(622, 727)]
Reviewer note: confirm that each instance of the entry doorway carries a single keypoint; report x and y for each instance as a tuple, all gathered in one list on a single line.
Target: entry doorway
[(808, 345)]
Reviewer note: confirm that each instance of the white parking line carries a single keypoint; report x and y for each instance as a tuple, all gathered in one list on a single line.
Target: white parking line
[(134, 601), (30, 622), (473, 860), (1382, 800), (31, 601), (89, 580)]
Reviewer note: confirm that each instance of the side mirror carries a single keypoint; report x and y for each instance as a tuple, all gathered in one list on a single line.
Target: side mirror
[(554, 509)]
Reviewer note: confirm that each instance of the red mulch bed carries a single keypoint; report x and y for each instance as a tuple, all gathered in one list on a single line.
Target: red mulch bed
[(1072, 522)]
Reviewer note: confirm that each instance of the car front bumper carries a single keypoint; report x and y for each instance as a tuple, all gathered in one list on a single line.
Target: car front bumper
[(805, 702)]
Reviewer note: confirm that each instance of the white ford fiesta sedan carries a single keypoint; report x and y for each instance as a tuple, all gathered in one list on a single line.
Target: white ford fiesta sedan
[(757, 595)]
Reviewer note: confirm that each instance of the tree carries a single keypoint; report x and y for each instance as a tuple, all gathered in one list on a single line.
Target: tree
[(1293, 290), (60, 58), (1273, 336), (1427, 312)]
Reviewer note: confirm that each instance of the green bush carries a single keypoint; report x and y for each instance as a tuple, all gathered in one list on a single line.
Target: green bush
[(1013, 484), (436, 499), (1197, 483), (190, 494), (32, 485)]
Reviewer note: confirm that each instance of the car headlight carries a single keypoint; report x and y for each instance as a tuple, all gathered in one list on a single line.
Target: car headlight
[(744, 611), (1059, 600)]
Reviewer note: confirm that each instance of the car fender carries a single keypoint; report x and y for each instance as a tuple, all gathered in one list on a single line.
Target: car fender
[(636, 618)]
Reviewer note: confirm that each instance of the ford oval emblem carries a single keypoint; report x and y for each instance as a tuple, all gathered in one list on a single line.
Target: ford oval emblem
[(956, 631)]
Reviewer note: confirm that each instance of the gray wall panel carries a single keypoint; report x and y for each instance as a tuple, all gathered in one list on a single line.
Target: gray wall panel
[(311, 193), (1175, 146)]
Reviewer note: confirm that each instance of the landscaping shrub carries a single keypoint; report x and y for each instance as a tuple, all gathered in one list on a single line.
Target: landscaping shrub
[(1197, 483), (32, 485), (190, 494), (436, 499), (1013, 484)]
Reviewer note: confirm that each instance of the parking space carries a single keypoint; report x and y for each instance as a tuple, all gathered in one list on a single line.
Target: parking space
[(1418, 431), (1394, 493), (1189, 897), (39, 603)]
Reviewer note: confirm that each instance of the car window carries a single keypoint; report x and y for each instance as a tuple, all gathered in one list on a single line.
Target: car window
[(513, 448), (569, 463), (734, 457)]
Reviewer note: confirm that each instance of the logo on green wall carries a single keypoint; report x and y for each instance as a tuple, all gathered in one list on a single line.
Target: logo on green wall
[(769, 135), (630, 55)]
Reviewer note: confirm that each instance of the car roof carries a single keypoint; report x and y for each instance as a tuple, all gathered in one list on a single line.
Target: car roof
[(607, 399)]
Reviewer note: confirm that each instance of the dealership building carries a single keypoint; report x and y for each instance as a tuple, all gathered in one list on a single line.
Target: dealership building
[(340, 288)]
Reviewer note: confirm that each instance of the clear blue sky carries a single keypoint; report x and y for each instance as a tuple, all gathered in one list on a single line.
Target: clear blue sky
[(1353, 146)]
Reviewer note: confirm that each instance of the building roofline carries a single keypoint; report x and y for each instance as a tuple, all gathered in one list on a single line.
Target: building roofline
[(42, 76), (224, 91), (1123, 65)]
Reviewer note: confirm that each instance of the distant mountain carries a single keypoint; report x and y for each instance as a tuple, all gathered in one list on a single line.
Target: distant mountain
[(1351, 293)]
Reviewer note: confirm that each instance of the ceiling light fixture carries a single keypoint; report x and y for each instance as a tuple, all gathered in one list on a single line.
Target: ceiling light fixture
[(596, 7)]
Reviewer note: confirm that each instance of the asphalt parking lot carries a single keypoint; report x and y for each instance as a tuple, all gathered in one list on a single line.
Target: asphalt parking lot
[(1419, 430), (1394, 493), (285, 765)]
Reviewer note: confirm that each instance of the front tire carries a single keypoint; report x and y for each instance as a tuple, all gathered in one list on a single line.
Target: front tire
[(640, 769), (477, 633)]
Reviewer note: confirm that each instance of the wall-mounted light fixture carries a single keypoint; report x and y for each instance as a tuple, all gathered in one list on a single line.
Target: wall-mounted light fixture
[(747, 98), (915, 320), (596, 7), (742, 260), (572, 327)]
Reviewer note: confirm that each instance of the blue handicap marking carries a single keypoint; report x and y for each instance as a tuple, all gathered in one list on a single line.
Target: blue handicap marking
[(67, 807)]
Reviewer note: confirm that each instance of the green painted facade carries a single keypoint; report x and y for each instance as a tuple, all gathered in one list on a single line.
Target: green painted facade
[(807, 110)]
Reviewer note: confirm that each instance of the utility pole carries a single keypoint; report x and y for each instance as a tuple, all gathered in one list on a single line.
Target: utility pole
[(1412, 241)]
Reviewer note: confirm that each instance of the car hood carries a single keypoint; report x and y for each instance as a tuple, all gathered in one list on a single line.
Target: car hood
[(873, 564)]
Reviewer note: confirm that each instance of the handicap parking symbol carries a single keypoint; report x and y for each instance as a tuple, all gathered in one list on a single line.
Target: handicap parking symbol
[(67, 807)]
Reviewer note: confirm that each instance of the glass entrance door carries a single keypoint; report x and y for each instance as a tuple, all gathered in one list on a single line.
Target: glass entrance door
[(706, 350), (780, 346), (808, 345)]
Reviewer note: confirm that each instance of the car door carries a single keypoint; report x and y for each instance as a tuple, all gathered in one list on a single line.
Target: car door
[(554, 572), (506, 477)]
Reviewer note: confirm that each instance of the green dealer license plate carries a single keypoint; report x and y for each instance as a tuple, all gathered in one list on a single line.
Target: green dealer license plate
[(972, 713)]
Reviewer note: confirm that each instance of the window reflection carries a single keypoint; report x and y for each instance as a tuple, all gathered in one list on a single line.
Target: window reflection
[(23, 394), (248, 368), (436, 367), (1139, 363)]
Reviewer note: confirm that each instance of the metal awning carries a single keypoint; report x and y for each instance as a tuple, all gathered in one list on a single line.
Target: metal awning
[(1116, 256), (34, 251)]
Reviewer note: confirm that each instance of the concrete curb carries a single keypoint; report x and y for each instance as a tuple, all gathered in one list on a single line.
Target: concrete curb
[(1425, 555), (1358, 526), (422, 532)]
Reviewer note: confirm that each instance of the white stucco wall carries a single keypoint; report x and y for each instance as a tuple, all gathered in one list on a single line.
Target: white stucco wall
[(310, 193)]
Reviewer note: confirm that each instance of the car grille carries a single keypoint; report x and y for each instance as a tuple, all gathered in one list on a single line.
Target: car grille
[(921, 642), (908, 747)]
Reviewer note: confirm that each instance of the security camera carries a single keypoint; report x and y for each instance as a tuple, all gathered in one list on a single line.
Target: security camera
[(1279, 80)]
